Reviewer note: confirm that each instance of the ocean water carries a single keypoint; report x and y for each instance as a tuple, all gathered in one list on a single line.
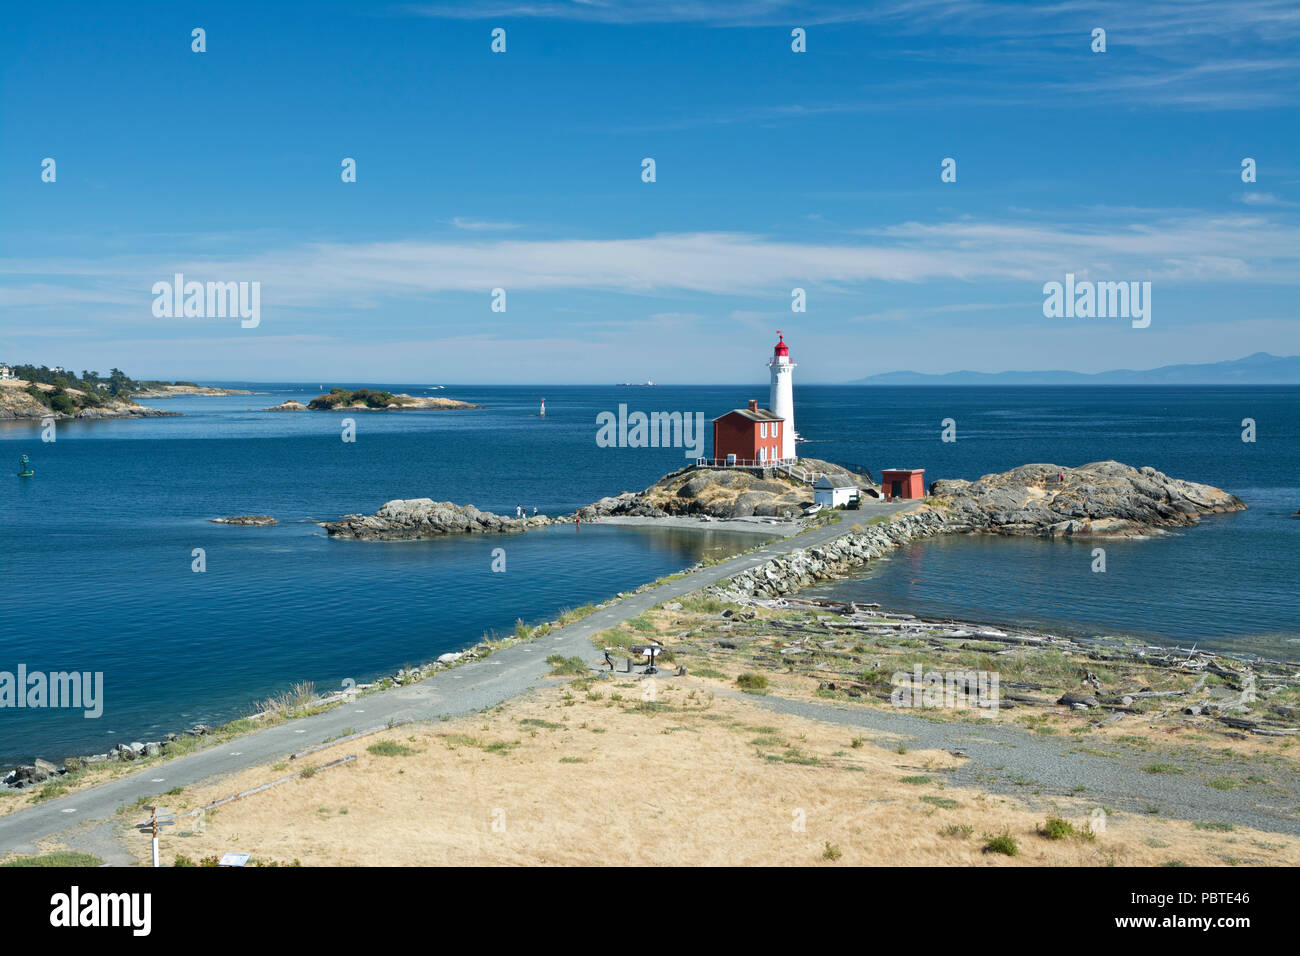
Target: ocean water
[(96, 550)]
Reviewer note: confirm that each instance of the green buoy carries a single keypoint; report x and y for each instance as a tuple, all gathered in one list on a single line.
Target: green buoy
[(25, 468)]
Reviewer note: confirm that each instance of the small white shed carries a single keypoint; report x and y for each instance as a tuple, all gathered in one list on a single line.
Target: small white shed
[(832, 493)]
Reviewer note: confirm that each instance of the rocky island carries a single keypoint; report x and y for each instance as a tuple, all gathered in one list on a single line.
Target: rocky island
[(366, 399), (1101, 499), (404, 519)]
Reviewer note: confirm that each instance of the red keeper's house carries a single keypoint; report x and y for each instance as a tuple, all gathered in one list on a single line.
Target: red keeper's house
[(747, 436), (903, 482)]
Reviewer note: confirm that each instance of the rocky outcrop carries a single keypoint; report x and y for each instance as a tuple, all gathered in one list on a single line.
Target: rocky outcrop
[(252, 520), (17, 403), (629, 503), (1104, 498), (727, 493), (426, 518), (1100, 499), (292, 405)]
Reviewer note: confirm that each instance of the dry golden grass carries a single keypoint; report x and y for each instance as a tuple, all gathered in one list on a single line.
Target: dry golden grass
[(561, 777)]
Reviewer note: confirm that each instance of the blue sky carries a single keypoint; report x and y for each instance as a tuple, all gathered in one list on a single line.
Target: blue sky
[(522, 170)]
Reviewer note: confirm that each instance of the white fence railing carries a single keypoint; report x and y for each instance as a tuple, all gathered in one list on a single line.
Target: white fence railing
[(786, 465)]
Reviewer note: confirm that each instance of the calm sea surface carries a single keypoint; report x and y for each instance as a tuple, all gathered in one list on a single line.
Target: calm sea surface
[(95, 550)]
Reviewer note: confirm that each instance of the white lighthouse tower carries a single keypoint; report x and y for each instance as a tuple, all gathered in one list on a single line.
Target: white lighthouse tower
[(781, 400)]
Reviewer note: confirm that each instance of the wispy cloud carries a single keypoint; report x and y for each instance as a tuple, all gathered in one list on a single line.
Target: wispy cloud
[(1241, 248), (483, 225), (1183, 54), (1160, 23), (1266, 199)]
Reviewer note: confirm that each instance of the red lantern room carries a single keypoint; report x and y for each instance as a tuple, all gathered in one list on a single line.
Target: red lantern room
[(782, 351)]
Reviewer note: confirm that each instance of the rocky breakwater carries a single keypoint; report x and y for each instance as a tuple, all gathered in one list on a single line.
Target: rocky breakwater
[(1102, 499), (727, 493), (425, 518), (807, 566)]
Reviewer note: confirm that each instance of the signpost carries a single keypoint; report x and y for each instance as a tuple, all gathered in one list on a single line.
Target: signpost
[(167, 819)]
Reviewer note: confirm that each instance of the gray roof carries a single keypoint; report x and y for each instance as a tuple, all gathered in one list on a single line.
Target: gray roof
[(826, 482), (762, 415)]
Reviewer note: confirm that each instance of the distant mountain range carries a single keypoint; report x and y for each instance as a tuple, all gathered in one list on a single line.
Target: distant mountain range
[(1258, 369)]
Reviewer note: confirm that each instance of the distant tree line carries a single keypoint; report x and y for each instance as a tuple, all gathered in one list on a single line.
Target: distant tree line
[(95, 389)]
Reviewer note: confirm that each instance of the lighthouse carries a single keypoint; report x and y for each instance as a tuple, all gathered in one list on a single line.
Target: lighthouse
[(781, 400)]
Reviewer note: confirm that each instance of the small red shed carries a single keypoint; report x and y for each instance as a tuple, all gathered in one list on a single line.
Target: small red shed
[(903, 482), (747, 436)]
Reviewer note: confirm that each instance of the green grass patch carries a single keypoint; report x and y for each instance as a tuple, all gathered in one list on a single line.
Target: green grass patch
[(546, 724), (944, 803), (61, 858), (1216, 826), (1056, 828), (567, 666), (1004, 843), (390, 748)]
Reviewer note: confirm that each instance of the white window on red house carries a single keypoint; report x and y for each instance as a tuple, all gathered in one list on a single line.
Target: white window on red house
[(776, 426), (762, 454), (762, 430)]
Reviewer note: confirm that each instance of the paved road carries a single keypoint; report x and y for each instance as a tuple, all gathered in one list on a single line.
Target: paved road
[(471, 687)]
